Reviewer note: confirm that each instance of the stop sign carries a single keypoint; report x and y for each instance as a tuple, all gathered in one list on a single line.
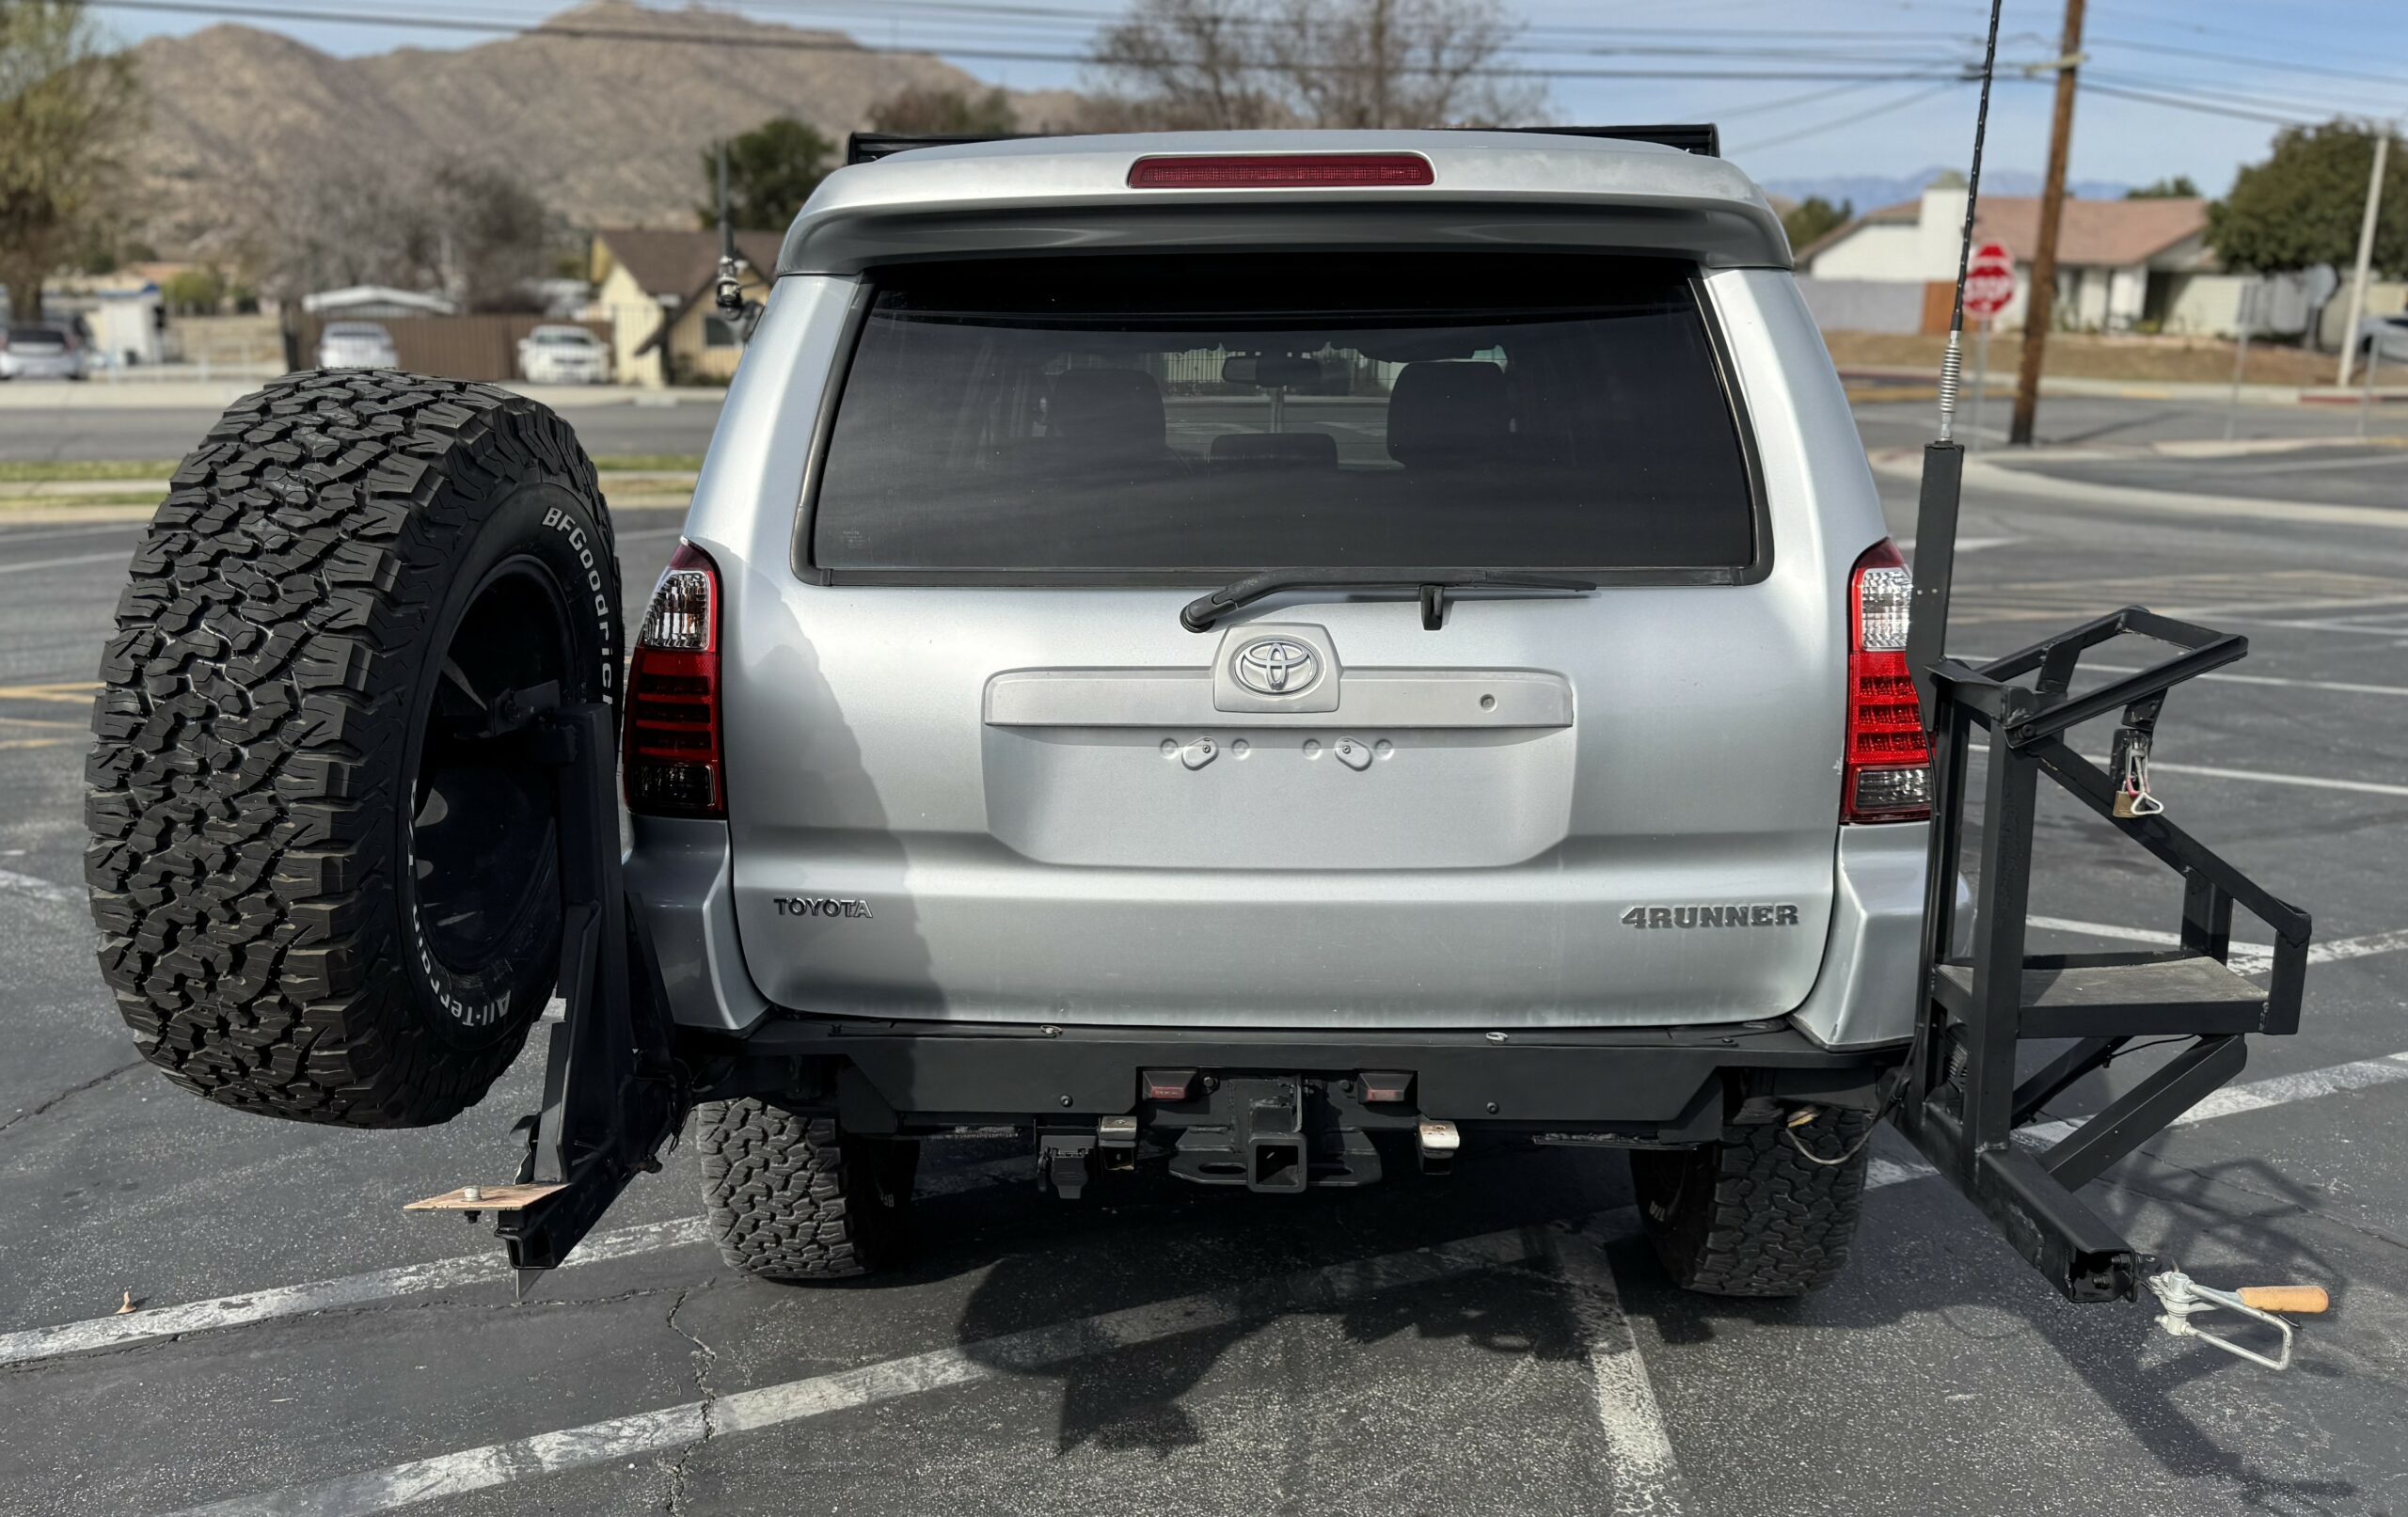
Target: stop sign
[(1989, 280)]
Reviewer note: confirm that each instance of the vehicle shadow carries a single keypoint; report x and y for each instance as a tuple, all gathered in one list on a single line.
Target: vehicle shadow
[(1142, 1239), (1046, 1263), (2225, 1221)]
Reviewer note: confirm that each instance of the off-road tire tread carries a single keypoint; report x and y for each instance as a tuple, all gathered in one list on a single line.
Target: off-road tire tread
[(1769, 1223), (787, 1197), (251, 728)]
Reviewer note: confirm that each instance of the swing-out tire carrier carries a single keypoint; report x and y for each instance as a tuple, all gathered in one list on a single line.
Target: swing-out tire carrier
[(1964, 1099)]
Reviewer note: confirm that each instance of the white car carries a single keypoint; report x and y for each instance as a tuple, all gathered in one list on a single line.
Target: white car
[(2384, 336), (356, 345), (563, 356), (45, 350)]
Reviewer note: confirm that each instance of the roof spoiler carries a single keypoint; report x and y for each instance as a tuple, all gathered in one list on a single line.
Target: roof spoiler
[(1703, 138), (869, 147)]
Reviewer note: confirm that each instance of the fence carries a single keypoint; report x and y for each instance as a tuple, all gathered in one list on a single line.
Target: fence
[(1864, 305), (454, 347)]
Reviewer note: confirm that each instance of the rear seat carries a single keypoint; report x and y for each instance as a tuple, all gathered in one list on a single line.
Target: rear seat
[(1276, 449)]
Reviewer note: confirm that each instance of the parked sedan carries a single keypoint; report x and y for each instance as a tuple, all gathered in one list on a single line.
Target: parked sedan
[(43, 351), (356, 345), (563, 356), (2385, 337)]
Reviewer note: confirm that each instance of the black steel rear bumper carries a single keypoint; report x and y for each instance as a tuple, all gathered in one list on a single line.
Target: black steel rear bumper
[(1650, 1085)]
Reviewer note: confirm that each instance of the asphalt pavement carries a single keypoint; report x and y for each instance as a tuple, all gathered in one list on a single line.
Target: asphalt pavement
[(1498, 1340)]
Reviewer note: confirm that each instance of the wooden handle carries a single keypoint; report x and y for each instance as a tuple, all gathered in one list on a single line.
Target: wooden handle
[(2305, 1300)]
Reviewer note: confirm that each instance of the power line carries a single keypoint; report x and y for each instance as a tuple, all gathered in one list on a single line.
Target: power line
[(2202, 107), (571, 31), (1915, 97), (2270, 65)]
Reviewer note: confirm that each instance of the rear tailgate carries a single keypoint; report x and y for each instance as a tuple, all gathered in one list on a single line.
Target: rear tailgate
[(978, 771)]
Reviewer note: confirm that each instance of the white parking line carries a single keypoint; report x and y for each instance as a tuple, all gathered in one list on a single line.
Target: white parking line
[(41, 889), (2249, 958), (406, 1280), (770, 1406), (2365, 787), (1638, 1469), (1980, 755), (121, 556)]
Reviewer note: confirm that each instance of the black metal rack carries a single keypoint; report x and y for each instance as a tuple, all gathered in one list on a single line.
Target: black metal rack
[(1964, 1101)]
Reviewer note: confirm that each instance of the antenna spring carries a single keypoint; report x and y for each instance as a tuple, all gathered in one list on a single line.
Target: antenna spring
[(1952, 375)]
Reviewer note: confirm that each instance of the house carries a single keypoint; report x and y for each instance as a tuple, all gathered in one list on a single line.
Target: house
[(656, 289), (2122, 266)]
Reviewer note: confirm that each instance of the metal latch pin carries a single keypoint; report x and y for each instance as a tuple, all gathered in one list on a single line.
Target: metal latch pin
[(2184, 1298)]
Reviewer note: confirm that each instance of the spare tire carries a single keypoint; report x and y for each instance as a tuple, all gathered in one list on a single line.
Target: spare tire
[(319, 897)]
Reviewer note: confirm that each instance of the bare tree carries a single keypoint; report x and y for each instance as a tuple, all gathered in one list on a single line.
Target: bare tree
[(474, 232), (921, 108), (65, 111), (1191, 64)]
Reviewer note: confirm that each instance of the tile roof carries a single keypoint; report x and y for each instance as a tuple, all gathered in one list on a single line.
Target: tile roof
[(2095, 233)]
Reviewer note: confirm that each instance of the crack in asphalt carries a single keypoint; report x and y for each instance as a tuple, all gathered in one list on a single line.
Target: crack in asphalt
[(70, 1092), (703, 1356)]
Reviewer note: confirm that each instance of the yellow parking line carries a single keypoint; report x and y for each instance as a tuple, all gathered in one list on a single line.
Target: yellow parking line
[(34, 742), (30, 721)]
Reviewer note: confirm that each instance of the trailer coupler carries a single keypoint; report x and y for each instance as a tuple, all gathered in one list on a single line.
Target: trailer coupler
[(2184, 1298)]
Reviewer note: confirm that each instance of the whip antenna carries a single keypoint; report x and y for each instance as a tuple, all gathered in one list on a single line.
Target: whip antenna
[(1943, 460), (1952, 363)]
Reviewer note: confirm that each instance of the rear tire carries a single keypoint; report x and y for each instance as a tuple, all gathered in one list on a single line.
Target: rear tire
[(1750, 1215), (319, 896), (794, 1198)]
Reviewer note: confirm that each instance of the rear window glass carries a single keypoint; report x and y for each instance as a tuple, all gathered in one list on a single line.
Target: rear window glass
[(1216, 415)]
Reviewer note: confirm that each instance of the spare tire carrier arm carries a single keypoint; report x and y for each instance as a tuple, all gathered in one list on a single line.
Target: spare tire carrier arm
[(614, 1095)]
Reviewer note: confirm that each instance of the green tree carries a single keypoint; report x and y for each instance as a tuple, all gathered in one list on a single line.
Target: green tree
[(2303, 206), (67, 108), (1813, 219), (771, 172), (944, 111), (198, 290), (2177, 188)]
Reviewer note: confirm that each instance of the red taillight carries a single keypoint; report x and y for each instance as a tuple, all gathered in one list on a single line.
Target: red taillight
[(1887, 777), (675, 765), (1274, 170)]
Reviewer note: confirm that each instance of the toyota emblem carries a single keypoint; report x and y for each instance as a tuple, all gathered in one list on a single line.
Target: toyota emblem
[(1275, 665)]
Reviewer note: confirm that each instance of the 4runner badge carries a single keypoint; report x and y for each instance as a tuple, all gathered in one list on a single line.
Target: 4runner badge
[(1762, 914), (818, 906), (1275, 665)]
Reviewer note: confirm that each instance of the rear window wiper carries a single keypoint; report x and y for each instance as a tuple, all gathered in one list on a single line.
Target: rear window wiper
[(1200, 613)]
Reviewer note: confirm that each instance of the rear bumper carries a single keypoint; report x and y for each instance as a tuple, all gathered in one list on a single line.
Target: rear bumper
[(1647, 1086)]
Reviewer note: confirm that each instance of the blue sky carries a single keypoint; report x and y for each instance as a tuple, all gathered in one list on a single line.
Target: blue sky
[(2284, 58)]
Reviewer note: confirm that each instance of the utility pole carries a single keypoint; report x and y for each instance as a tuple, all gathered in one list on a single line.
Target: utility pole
[(2366, 253), (2038, 306)]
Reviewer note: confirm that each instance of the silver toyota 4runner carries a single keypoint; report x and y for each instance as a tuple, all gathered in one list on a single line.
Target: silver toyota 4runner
[(1285, 655), (1289, 653)]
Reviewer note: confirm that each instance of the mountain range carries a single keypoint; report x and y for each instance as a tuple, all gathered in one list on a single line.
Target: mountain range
[(609, 132), (1870, 192)]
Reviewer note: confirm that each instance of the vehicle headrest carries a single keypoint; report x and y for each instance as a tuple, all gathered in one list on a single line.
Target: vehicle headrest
[(1108, 409), (1276, 449), (1446, 411)]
